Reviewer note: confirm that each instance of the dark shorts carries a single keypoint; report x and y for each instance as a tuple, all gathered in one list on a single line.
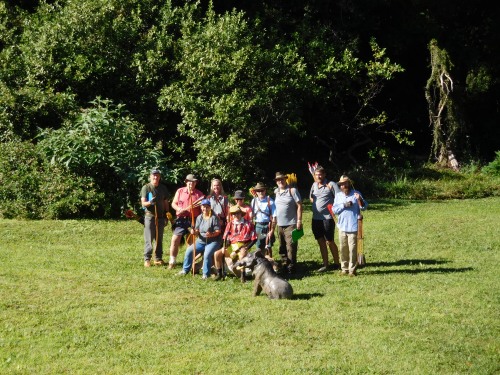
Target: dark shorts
[(323, 229), (181, 226)]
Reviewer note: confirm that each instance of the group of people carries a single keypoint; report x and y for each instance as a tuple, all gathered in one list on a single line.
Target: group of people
[(222, 233)]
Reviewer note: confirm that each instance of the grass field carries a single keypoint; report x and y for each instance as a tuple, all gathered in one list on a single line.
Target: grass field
[(76, 299)]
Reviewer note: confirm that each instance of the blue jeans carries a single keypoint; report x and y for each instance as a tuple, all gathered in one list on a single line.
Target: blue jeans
[(207, 250)]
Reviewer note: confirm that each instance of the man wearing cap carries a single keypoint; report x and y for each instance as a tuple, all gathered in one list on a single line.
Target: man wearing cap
[(322, 195), (288, 217), (264, 212), (155, 203), (241, 236), (207, 230), (347, 206), (186, 204)]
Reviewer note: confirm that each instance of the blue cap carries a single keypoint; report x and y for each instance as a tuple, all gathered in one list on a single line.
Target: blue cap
[(205, 202)]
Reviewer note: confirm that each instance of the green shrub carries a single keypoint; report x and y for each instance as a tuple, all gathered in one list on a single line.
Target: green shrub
[(31, 188), (493, 168)]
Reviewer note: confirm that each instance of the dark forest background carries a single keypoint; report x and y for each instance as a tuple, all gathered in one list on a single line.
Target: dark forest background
[(94, 93)]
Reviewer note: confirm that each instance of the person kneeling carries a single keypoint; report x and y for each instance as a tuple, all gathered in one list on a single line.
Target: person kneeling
[(241, 236)]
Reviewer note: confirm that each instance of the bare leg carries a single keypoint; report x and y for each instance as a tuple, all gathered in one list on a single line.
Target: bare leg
[(323, 250), (334, 250)]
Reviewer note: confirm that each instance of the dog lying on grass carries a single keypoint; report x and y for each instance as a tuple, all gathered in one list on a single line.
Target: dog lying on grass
[(265, 278)]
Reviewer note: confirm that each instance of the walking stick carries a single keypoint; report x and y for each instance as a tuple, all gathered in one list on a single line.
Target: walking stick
[(156, 229), (194, 231), (361, 255)]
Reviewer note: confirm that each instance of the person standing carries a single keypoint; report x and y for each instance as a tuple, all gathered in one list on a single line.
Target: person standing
[(207, 231), (288, 217), (347, 206), (155, 203), (322, 195), (264, 212), (182, 203)]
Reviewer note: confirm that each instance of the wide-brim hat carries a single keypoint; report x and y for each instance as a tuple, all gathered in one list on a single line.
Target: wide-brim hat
[(205, 202), (280, 175), (238, 194), (344, 179), (259, 186), (191, 177), (236, 209)]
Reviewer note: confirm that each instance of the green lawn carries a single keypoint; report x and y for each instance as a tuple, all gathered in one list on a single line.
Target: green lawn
[(75, 298)]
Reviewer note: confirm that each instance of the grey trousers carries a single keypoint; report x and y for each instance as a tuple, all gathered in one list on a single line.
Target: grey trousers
[(150, 237)]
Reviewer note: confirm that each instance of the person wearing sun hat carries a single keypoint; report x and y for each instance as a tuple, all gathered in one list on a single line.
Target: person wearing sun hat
[(239, 199), (347, 206), (238, 238), (264, 212), (155, 203), (184, 201), (288, 217), (207, 230)]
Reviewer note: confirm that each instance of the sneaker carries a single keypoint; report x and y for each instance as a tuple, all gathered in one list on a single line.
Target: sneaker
[(159, 262), (182, 273), (171, 266), (204, 277), (323, 269), (147, 263)]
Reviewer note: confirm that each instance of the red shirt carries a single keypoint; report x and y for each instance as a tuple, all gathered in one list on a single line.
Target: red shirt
[(184, 200), (240, 232)]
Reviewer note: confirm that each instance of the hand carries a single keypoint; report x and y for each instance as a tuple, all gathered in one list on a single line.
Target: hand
[(348, 204), (152, 201)]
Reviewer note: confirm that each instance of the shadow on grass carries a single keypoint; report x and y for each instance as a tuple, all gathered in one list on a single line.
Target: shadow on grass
[(408, 262), (417, 271), (304, 269), (306, 296)]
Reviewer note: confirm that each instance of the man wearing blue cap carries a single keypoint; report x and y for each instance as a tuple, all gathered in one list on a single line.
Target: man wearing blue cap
[(155, 203)]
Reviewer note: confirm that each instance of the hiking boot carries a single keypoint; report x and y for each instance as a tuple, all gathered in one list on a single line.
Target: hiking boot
[(159, 262), (147, 263)]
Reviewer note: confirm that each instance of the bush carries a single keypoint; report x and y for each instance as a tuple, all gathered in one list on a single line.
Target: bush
[(31, 188), (493, 168)]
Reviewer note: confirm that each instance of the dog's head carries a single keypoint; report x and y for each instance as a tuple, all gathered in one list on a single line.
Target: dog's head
[(249, 261)]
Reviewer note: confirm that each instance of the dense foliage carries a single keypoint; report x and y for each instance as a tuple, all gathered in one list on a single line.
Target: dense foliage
[(238, 90)]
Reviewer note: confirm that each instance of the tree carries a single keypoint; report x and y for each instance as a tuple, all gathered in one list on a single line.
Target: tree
[(105, 143), (443, 115)]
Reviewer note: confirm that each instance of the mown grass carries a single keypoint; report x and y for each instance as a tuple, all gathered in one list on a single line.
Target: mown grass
[(75, 298)]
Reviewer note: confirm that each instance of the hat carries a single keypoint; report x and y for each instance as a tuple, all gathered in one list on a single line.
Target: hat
[(260, 186), (343, 179), (238, 194), (191, 177), (205, 202), (280, 175), (235, 209), (155, 171)]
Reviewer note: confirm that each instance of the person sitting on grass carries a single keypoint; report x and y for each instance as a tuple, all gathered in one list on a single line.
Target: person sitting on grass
[(241, 236), (207, 231)]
